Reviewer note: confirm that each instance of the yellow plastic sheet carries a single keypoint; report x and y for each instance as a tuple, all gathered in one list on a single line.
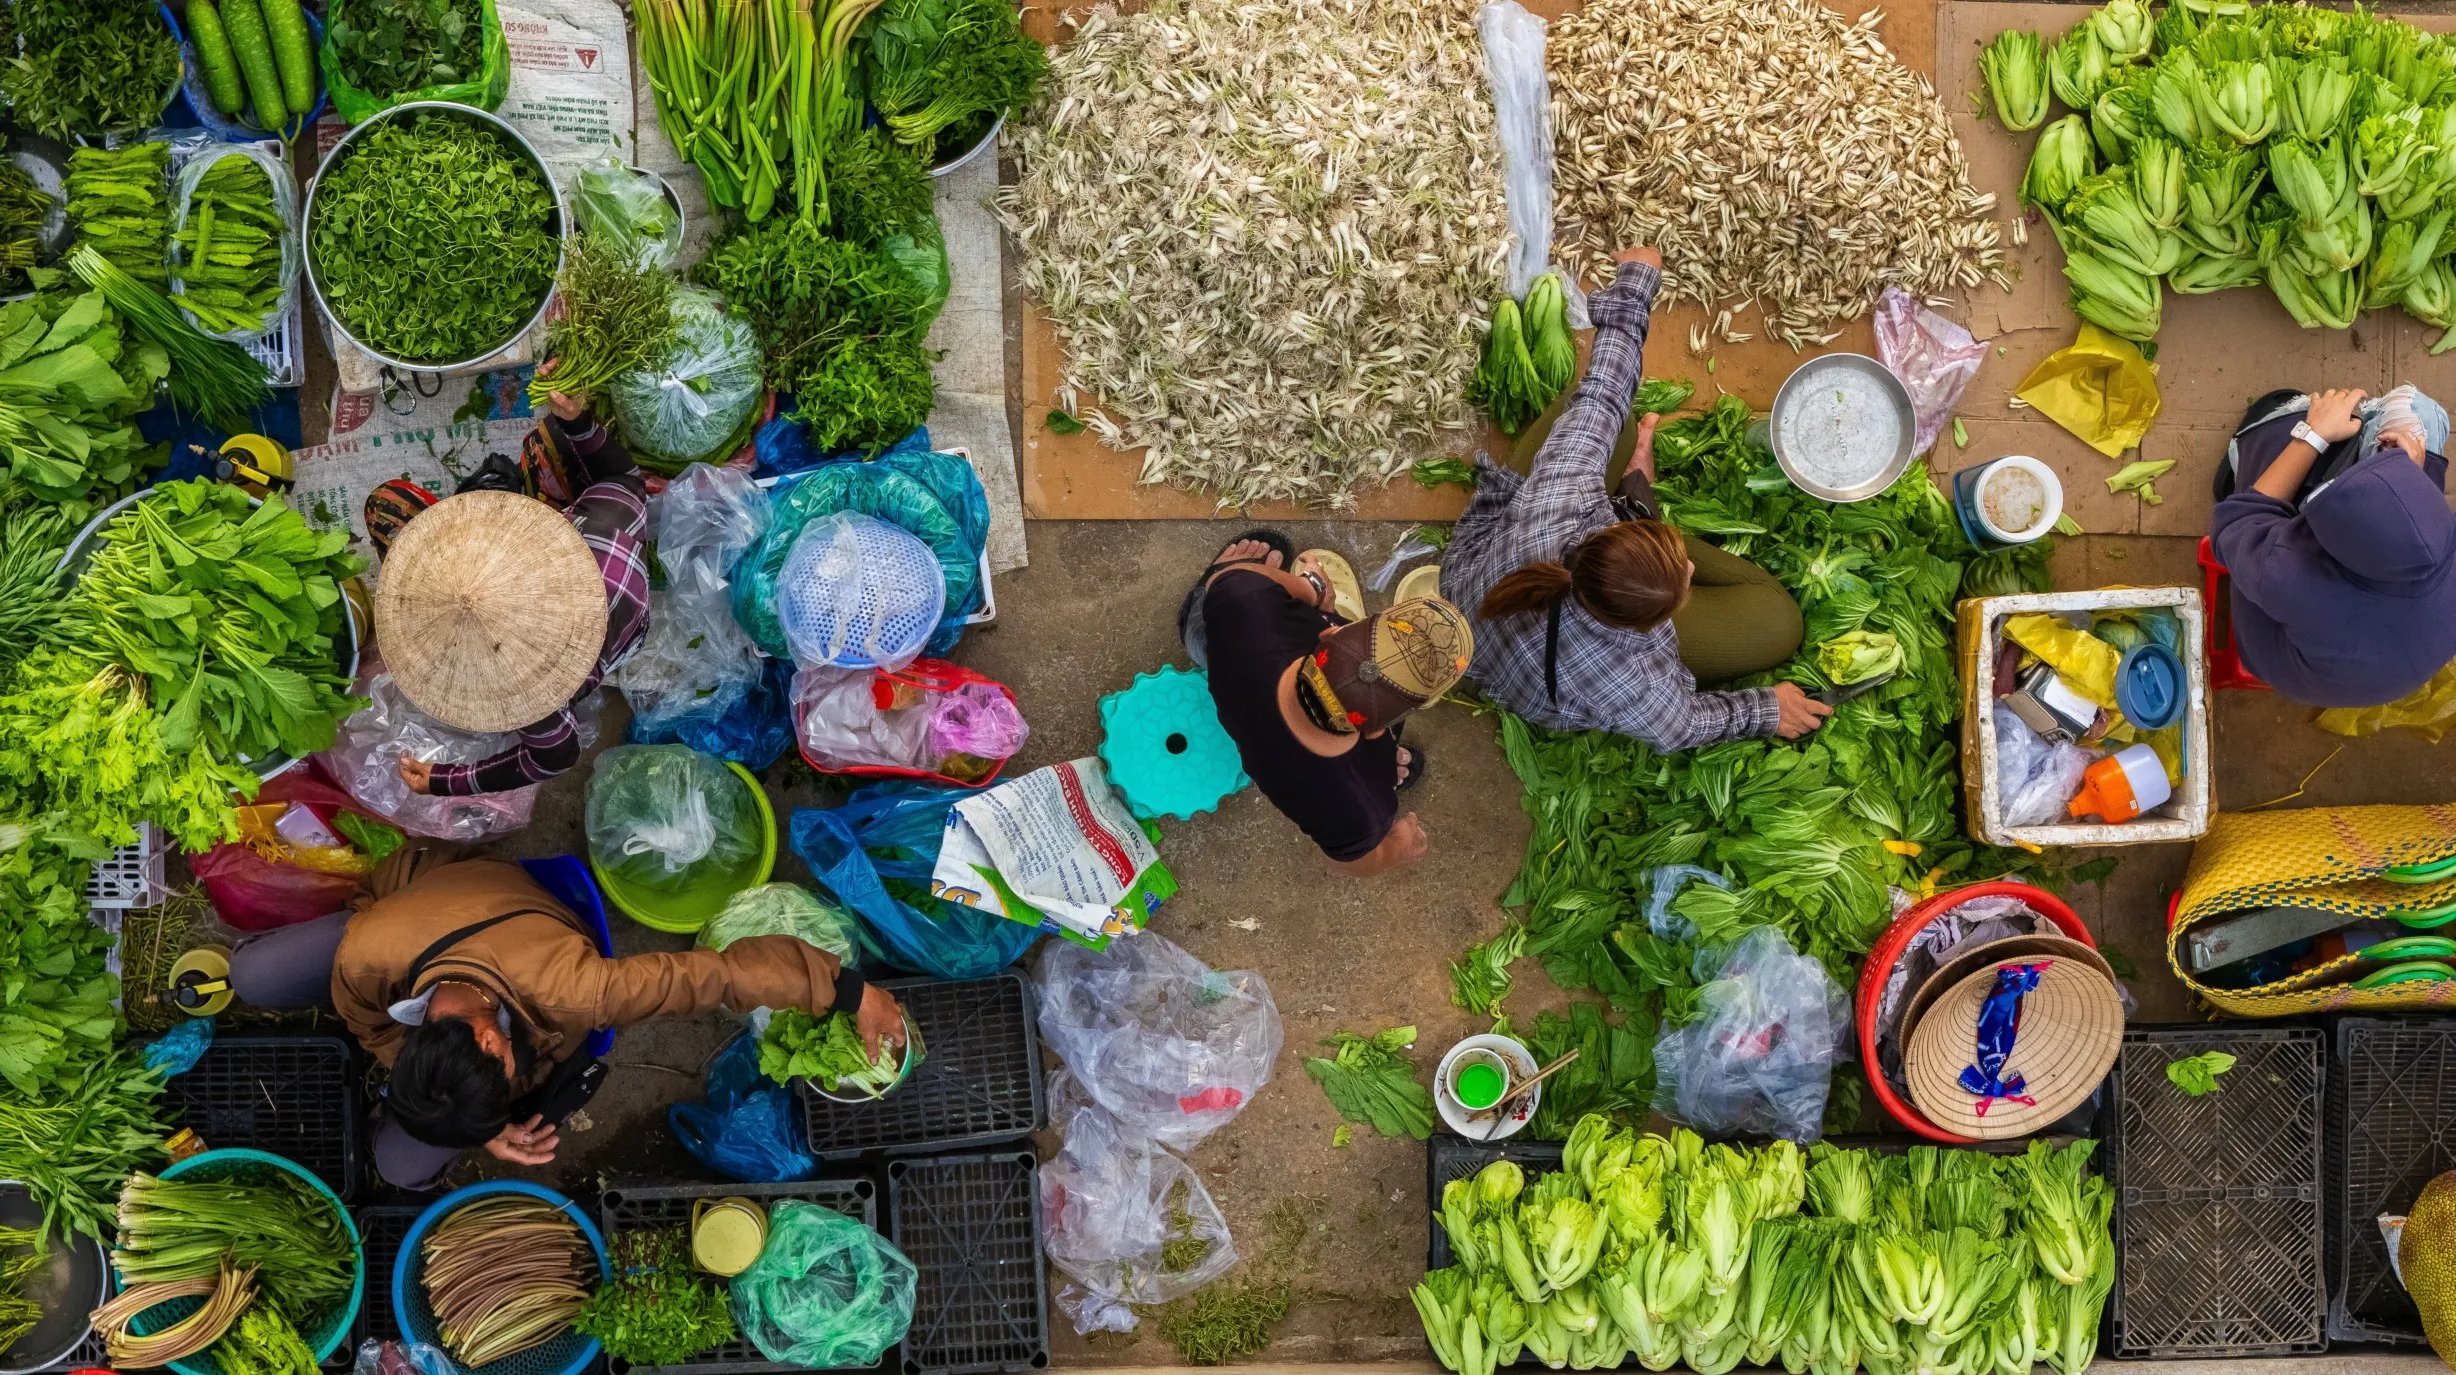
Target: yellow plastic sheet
[(2086, 663), (2099, 387), (2430, 709)]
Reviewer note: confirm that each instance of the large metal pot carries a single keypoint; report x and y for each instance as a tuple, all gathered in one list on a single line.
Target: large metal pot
[(559, 225), (73, 1282)]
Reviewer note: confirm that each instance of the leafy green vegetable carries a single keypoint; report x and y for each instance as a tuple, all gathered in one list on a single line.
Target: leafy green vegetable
[(386, 47), (1661, 396), (372, 838), (659, 1310), (1505, 383), (1613, 1074), (1063, 423), (431, 238), (828, 1049), (1443, 472), (32, 538), (1481, 979), (211, 379), (23, 208), (2138, 477), (262, 1342), (291, 1235), (1437, 536), (1855, 656), (2015, 68), (930, 65), (1370, 1079), (73, 1141), (56, 1008), (85, 68), (2197, 1074), (71, 384), (1546, 316), (618, 317)]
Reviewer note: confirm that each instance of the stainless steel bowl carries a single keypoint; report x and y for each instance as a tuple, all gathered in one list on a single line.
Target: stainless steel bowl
[(73, 1281), (988, 140), (1805, 386), (560, 226)]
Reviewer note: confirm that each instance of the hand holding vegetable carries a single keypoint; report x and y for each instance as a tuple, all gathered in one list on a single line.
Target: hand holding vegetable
[(879, 1020), (1800, 713), (566, 406)]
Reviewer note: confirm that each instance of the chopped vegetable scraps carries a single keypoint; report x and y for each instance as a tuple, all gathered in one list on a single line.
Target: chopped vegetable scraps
[(2138, 477)]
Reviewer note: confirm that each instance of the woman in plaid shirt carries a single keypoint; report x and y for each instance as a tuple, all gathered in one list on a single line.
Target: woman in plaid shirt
[(1592, 612)]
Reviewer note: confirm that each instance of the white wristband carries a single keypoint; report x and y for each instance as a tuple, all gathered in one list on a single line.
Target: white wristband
[(2304, 432)]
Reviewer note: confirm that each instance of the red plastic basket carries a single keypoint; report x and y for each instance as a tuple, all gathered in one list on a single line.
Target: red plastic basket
[(933, 675), (2225, 664), (1888, 952)]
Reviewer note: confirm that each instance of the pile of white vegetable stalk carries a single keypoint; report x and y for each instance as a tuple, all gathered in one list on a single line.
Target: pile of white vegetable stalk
[(1776, 154), (1269, 235)]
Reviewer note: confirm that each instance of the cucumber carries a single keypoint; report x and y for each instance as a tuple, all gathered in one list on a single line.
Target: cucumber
[(253, 47), (293, 57), (213, 54)]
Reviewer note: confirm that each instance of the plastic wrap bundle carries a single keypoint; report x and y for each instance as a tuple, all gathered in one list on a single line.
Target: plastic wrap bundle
[(696, 662), (285, 208), (663, 815), (366, 755), (698, 405)]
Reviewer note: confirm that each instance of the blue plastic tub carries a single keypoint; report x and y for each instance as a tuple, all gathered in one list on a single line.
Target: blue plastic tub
[(568, 1354)]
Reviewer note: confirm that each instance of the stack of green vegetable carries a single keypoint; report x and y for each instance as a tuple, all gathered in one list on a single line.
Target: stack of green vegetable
[(270, 1226), (1529, 358), (1678, 1252), (432, 238), (23, 208), (259, 64), (263, 1342), (751, 91), (73, 379), (828, 1049), (209, 378), (1371, 1080), (74, 1141), (120, 201), (1811, 834), (230, 265), (56, 1012), (660, 1310), (86, 68), (941, 72), (2214, 147)]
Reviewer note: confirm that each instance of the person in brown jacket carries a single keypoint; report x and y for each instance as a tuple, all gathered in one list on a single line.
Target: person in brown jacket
[(477, 990)]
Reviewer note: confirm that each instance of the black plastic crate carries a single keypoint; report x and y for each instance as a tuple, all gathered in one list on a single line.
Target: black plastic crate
[(971, 1223), (381, 1230), (1450, 1157), (291, 1096), (2218, 1240), (624, 1208), (2391, 1129), (978, 1084)]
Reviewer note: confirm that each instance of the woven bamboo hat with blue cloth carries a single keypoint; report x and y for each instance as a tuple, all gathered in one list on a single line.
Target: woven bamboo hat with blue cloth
[(2011, 1048)]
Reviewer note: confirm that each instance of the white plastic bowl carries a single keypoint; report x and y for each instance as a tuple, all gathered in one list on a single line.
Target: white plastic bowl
[(1459, 1119)]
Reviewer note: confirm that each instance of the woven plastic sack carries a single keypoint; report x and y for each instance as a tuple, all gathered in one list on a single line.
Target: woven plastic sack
[(857, 592), (1758, 1058), (698, 405), (933, 496), (874, 854), (484, 88), (1167, 1045), (781, 909), (285, 208), (1112, 1204), (664, 815), (826, 1292), (628, 210)]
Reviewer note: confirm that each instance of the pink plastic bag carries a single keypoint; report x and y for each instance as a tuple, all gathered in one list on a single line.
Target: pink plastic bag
[(1934, 357), (251, 892), (978, 719)]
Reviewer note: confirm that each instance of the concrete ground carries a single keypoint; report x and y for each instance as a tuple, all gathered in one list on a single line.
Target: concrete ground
[(1094, 609)]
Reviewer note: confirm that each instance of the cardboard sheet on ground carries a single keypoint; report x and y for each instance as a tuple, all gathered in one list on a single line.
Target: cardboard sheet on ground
[(1055, 848)]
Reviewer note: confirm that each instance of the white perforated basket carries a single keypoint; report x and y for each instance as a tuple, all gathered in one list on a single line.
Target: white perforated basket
[(132, 876)]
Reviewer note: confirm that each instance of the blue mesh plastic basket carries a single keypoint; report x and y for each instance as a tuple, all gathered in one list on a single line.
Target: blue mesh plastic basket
[(323, 1333), (568, 1354), (857, 592)]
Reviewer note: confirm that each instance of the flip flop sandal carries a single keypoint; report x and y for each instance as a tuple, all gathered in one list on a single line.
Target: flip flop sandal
[(1280, 544), (1419, 582), (1346, 594), (1416, 766)]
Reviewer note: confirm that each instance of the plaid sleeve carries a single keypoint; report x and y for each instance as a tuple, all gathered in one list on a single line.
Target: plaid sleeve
[(547, 749), (1570, 467)]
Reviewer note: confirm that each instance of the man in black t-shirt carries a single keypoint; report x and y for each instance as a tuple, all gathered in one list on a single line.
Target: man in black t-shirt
[(1313, 701)]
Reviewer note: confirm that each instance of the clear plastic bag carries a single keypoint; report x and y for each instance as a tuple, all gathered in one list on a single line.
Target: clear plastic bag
[(629, 209), (2035, 776), (1112, 1202), (699, 404), (1934, 358), (841, 725), (664, 815), (693, 662), (1758, 1058), (285, 209), (707, 518), (826, 1292), (1522, 121), (1170, 1047), (978, 719), (365, 759), (781, 909)]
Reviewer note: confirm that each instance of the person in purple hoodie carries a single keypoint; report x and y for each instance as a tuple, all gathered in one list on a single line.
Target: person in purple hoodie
[(2332, 518)]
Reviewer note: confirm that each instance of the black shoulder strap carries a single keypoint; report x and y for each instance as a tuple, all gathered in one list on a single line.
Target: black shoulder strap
[(1552, 653), (450, 939)]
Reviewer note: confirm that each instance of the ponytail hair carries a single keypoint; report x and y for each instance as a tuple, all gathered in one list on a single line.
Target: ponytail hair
[(1632, 575)]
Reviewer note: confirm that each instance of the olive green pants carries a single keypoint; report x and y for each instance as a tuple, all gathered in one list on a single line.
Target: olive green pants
[(1737, 620)]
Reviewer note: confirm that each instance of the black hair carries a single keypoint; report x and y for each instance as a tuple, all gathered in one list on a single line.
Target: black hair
[(446, 1090)]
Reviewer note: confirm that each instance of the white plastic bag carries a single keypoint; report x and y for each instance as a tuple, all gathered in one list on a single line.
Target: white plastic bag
[(1758, 1058), (1167, 1045), (1934, 358), (1522, 120), (695, 660), (837, 718), (1111, 1204), (285, 209)]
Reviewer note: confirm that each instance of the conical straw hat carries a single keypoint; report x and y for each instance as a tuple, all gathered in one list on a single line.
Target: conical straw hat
[(490, 611), (2071, 1028)]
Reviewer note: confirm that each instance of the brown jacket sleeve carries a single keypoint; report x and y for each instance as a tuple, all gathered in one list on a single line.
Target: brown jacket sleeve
[(365, 1009), (760, 971)]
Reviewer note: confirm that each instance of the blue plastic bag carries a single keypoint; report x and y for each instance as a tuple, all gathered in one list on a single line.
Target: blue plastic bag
[(889, 834), (748, 1128), (752, 729)]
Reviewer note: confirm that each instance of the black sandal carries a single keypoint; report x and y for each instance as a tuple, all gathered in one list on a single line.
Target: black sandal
[(1416, 764), (1279, 544)]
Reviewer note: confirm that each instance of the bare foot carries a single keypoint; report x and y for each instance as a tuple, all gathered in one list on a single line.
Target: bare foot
[(1407, 761)]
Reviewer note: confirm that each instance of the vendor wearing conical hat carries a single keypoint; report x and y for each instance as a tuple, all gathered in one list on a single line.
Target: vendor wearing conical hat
[(494, 611)]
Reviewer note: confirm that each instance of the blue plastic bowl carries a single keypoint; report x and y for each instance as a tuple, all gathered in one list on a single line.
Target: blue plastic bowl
[(568, 1354), (324, 1335), (221, 126)]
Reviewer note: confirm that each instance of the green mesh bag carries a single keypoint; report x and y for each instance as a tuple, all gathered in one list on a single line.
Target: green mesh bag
[(826, 1292)]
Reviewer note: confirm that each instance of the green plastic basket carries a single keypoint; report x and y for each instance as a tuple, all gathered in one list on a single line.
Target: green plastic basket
[(684, 912), (325, 1333)]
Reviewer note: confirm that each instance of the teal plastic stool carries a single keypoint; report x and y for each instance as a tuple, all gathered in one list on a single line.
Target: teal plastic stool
[(1163, 746)]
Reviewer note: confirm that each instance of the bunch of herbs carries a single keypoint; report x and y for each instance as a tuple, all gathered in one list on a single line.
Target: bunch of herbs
[(385, 47), (76, 1139), (618, 318), (659, 1310), (433, 238), (212, 379), (269, 1220), (33, 535), (85, 68), (23, 208), (934, 65)]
